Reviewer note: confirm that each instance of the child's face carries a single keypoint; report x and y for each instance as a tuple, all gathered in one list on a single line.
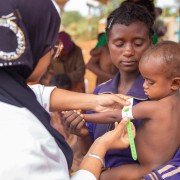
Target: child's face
[(127, 44), (156, 84)]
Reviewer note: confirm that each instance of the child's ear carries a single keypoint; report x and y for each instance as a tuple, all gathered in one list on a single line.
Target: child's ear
[(175, 84)]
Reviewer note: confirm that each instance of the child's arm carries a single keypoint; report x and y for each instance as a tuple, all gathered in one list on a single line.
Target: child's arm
[(104, 117), (143, 110), (146, 110)]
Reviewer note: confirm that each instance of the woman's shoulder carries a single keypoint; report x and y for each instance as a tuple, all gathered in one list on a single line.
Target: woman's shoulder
[(104, 87)]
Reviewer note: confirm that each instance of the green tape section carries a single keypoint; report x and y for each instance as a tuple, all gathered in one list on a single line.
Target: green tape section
[(131, 140)]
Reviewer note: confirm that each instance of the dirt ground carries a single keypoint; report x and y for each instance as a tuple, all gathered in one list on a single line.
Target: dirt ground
[(90, 78)]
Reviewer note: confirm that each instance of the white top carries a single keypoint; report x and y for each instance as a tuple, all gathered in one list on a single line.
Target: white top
[(27, 149)]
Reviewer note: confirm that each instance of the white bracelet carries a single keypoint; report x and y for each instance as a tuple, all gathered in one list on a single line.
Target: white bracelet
[(95, 156), (127, 110)]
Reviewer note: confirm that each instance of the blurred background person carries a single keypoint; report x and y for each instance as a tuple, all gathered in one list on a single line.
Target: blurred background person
[(159, 26), (69, 64), (100, 62)]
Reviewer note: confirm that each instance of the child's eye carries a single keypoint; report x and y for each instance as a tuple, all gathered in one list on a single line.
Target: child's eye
[(150, 82)]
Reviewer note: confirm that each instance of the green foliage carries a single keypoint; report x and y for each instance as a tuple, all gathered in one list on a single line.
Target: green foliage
[(74, 23), (72, 17), (80, 27), (167, 12), (109, 7)]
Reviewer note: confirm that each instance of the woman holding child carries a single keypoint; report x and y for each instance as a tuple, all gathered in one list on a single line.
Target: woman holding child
[(129, 33)]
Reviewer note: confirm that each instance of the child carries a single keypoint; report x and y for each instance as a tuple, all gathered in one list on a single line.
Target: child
[(157, 139)]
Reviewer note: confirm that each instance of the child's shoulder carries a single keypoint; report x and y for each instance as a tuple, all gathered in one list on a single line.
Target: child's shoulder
[(151, 106)]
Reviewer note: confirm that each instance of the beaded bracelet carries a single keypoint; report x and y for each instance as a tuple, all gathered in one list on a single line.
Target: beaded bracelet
[(95, 156)]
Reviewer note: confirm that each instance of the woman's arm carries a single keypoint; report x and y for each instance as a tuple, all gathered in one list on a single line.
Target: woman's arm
[(126, 172), (68, 100), (115, 139)]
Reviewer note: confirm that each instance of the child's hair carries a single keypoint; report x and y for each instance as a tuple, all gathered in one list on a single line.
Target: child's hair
[(62, 81), (167, 53), (128, 13)]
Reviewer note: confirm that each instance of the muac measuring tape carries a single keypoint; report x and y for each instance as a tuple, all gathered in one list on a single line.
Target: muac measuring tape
[(127, 112)]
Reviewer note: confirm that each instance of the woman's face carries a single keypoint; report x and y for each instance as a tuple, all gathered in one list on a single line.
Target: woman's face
[(44, 62), (127, 44)]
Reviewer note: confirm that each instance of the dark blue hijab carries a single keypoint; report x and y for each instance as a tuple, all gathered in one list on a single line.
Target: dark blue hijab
[(28, 29)]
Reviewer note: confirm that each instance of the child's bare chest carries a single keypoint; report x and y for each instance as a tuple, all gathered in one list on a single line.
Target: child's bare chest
[(158, 139)]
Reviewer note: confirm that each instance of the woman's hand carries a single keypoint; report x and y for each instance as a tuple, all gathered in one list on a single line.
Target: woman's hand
[(110, 102), (115, 139)]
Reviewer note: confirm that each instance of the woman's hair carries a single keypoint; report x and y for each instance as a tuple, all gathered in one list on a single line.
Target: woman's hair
[(148, 4), (128, 13)]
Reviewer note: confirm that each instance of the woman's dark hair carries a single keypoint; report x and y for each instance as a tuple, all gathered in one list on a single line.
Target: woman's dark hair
[(148, 4), (128, 13)]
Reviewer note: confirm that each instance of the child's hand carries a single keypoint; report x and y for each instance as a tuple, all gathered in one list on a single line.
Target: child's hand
[(75, 123), (117, 138)]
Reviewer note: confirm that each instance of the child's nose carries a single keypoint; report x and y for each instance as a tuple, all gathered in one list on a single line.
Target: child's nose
[(145, 86)]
